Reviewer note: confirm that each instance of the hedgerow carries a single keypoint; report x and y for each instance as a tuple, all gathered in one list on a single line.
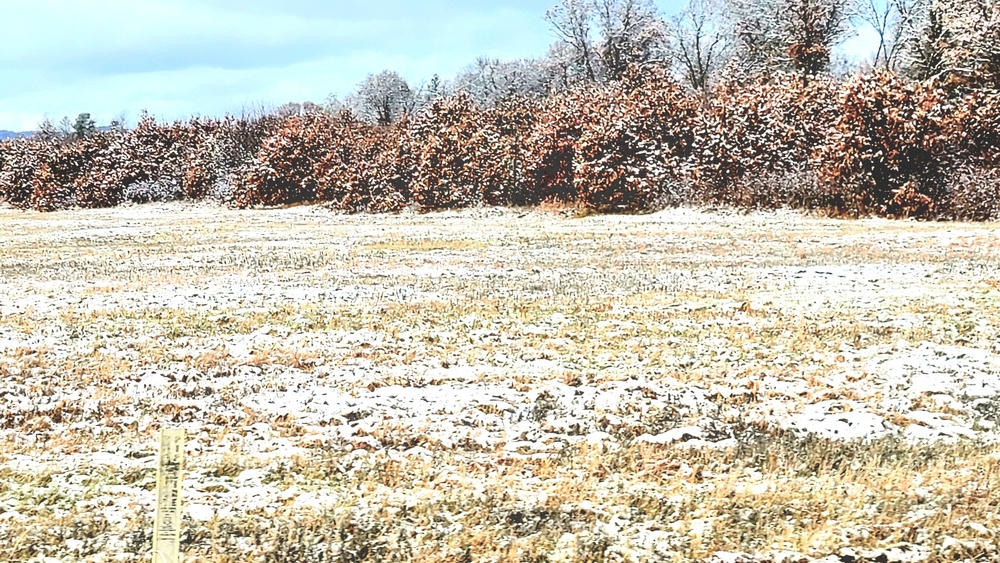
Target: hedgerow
[(635, 139), (755, 136), (446, 148), (365, 168), (874, 144), (550, 148)]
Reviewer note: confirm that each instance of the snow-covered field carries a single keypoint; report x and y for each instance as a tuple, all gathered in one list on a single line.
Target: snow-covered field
[(496, 385)]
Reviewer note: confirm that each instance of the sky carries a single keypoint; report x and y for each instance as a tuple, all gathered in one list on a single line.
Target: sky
[(179, 58)]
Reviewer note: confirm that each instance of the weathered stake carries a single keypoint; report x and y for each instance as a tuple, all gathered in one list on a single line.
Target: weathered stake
[(167, 530)]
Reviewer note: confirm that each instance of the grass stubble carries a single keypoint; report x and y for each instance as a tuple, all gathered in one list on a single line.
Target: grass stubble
[(115, 323)]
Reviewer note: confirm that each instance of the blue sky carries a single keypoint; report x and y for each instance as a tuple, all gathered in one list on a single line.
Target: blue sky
[(178, 58)]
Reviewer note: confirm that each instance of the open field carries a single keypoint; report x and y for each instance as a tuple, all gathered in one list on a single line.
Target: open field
[(496, 385)]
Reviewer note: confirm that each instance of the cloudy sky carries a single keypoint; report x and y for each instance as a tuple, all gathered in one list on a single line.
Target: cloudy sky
[(178, 58)]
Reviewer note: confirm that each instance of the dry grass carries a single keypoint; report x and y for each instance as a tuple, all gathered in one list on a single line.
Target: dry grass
[(547, 346)]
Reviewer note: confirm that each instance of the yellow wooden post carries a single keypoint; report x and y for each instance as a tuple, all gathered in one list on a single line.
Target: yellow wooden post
[(167, 527)]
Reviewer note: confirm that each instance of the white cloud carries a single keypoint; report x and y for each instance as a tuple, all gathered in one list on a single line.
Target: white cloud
[(183, 57), (178, 58)]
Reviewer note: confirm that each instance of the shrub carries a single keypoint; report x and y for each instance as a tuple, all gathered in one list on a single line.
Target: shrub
[(366, 168), (149, 192), (974, 126), (49, 191), (153, 152), (197, 167), (22, 161), (240, 139), (502, 152), (973, 186), (973, 193), (446, 174), (52, 187), (283, 171), (760, 130), (200, 173), (886, 153), (781, 189), (634, 140), (100, 180), (550, 148)]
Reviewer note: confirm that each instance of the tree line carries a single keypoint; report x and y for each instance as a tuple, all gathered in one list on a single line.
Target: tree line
[(709, 42)]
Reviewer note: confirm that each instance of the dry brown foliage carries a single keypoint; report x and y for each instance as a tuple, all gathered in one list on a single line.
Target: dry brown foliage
[(635, 138), (886, 151), (875, 144), (444, 136), (284, 170), (759, 131), (551, 147), (365, 168)]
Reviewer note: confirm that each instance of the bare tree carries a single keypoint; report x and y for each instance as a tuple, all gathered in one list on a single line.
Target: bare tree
[(974, 48), (119, 123), (298, 108), (699, 42), (572, 22), (632, 32), (289, 109), (756, 34), (431, 90), (488, 80), (895, 22), (384, 98), (878, 15), (798, 35), (958, 42), (65, 128), (334, 105), (813, 28), (926, 50), (558, 66), (47, 131)]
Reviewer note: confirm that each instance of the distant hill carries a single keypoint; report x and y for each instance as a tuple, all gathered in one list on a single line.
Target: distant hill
[(4, 135)]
